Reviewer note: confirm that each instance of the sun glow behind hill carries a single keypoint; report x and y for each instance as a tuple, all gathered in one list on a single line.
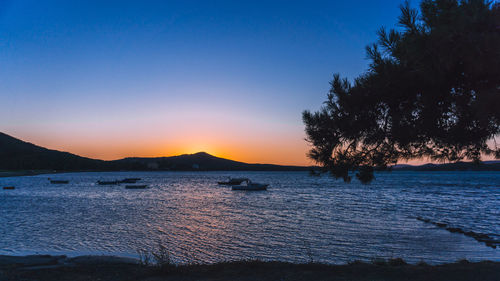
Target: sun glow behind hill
[(110, 81), (283, 149)]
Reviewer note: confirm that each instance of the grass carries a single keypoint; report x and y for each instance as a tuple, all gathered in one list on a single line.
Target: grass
[(158, 258), (160, 267), (157, 264)]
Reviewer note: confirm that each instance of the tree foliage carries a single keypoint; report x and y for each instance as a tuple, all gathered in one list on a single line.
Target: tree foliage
[(432, 90)]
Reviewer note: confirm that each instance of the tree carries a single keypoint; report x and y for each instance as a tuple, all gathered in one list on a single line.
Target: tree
[(432, 90)]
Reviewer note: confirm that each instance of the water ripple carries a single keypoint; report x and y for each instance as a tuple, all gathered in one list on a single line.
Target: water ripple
[(298, 217)]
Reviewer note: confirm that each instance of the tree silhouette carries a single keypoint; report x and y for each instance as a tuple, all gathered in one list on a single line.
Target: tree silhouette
[(432, 90)]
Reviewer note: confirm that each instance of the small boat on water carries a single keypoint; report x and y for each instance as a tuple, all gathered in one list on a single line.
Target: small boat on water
[(59, 181), (130, 180), (250, 186), (139, 186), (108, 182), (9, 187), (233, 181)]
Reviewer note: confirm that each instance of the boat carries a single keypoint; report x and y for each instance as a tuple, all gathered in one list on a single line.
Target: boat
[(233, 181), (107, 182), (59, 181), (250, 186), (8, 187), (139, 186), (130, 180)]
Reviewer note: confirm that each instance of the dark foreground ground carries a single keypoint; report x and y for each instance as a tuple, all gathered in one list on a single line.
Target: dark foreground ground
[(112, 268)]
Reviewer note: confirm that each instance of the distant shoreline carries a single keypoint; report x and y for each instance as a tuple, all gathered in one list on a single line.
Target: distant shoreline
[(114, 268), (22, 173)]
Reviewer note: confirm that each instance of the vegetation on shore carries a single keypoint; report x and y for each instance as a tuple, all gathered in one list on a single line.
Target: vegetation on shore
[(100, 268)]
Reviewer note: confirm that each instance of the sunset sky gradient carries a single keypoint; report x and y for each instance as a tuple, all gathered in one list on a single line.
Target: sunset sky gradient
[(161, 78)]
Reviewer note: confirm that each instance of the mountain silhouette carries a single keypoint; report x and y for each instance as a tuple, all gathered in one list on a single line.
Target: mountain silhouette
[(204, 162), (16, 154)]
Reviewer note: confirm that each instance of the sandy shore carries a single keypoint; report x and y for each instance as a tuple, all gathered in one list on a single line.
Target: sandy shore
[(44, 267)]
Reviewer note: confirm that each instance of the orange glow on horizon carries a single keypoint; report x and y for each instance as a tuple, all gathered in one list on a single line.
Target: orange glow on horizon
[(265, 151), (267, 155), (285, 150)]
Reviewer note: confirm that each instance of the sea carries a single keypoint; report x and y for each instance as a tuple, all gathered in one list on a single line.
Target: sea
[(298, 219)]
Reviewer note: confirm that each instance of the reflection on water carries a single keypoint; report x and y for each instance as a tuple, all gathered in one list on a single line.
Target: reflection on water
[(298, 216)]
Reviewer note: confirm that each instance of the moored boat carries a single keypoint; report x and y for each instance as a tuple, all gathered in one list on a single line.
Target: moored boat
[(8, 187), (130, 180), (139, 186), (59, 181), (250, 186), (233, 181), (108, 182)]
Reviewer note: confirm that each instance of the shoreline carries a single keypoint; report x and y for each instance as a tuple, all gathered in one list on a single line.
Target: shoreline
[(116, 268), (23, 173)]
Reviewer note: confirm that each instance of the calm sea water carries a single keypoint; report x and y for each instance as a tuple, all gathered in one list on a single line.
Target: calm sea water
[(298, 218)]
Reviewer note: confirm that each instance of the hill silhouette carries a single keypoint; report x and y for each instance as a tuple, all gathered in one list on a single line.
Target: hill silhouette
[(16, 154), (458, 166), (202, 161)]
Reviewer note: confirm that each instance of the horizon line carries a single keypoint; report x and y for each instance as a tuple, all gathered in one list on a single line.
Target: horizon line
[(230, 159)]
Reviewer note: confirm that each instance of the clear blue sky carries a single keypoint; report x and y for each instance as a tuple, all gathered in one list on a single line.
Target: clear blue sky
[(109, 79)]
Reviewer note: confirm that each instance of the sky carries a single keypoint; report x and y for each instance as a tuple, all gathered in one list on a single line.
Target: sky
[(112, 79)]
